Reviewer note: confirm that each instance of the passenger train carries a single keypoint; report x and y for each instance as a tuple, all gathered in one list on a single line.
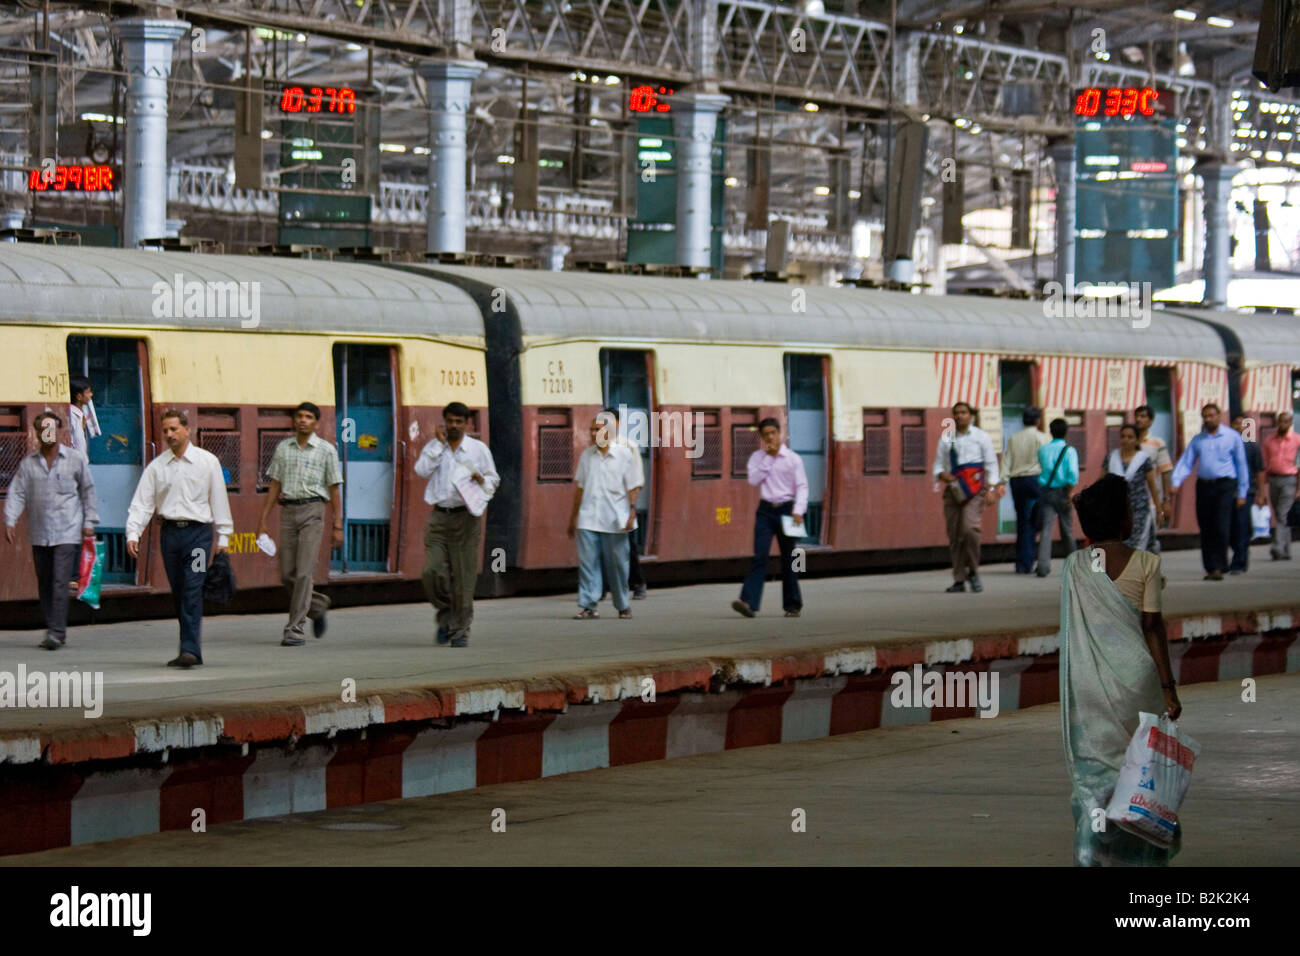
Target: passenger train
[(863, 380)]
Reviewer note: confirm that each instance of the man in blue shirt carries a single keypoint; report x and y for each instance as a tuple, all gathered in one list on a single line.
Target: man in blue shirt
[(1059, 473), (1219, 458)]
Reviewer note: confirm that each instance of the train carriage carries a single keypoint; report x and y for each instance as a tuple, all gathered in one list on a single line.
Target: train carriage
[(380, 352)]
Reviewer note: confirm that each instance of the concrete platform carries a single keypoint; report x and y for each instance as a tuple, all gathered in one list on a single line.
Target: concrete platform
[(958, 793)]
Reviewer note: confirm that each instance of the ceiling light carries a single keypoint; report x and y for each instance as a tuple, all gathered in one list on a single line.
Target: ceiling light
[(1218, 22), (731, 181), (822, 190), (811, 107), (1185, 14)]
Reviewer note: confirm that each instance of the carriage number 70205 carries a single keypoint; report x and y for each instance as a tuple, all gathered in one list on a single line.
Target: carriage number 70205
[(457, 377)]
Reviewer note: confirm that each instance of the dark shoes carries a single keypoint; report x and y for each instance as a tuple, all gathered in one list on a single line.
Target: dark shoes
[(976, 585), (292, 640), (444, 635), (1237, 571), (50, 643), (624, 614), (318, 626), (185, 659), (794, 613), (741, 607), (1214, 576), (461, 639), (1042, 574), (586, 614), (638, 593), (957, 588)]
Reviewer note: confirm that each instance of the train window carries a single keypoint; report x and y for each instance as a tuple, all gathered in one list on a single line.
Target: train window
[(744, 440), (875, 441), (914, 443), (708, 435), (1078, 436), (554, 444), (219, 433), (13, 443), (267, 439)]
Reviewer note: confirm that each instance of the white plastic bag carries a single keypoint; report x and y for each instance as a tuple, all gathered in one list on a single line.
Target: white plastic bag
[(1153, 781), (1260, 521)]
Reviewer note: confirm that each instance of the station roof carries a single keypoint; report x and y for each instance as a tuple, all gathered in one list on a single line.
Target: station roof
[(1265, 339), (567, 305), (78, 284)]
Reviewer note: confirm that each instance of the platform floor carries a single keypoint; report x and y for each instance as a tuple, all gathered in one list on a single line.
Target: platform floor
[(391, 647), (971, 792)]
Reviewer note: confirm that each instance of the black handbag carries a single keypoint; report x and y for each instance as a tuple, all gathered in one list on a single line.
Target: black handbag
[(219, 583)]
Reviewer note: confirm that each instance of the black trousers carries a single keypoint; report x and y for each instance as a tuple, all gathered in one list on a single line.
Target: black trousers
[(1024, 493), (635, 579), (56, 565), (767, 522), (1243, 530), (185, 554), (1215, 506)]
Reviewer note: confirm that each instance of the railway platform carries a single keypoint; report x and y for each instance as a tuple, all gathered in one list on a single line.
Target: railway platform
[(375, 711)]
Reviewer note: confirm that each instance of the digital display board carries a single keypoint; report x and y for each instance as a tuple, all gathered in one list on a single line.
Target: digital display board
[(645, 99), (315, 99), (1121, 101), (87, 179)]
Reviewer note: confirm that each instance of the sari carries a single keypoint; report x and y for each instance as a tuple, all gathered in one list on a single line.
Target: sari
[(1107, 679), (1139, 495)]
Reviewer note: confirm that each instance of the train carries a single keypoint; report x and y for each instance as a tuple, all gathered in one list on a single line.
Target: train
[(862, 379)]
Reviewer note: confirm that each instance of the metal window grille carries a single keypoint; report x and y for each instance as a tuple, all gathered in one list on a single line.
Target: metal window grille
[(267, 439), (875, 451), (745, 441), (13, 448), (709, 462), (225, 445), (554, 453), (915, 447)]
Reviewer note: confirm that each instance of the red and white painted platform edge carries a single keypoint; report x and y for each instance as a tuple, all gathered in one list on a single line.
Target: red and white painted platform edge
[(265, 723)]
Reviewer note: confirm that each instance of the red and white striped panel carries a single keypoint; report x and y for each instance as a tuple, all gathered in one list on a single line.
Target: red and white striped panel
[(1266, 388), (1092, 383), (1200, 383), (968, 377)]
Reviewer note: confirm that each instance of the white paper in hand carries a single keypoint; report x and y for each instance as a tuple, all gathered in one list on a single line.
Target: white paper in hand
[(789, 528), (266, 545), (470, 490)]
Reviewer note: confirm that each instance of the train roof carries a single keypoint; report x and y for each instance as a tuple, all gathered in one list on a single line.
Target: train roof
[(568, 305), (1266, 339), (78, 284)]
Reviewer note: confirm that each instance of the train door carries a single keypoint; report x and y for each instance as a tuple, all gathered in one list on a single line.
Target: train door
[(625, 377), (1295, 394), (805, 402), (116, 369), (364, 408), (1160, 396), (1017, 395)]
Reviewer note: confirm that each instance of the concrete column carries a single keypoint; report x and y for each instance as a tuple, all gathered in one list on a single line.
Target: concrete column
[(1062, 154), (695, 120), (1218, 192), (552, 256), (147, 55), (449, 101)]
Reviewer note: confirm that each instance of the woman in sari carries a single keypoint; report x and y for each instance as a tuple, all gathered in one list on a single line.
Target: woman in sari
[(1114, 665), (1135, 466)]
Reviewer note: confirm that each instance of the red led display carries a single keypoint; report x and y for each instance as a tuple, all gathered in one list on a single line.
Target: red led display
[(645, 99), (1117, 101), (295, 99), (90, 179)]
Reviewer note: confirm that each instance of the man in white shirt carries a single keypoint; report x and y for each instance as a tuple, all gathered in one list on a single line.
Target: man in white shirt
[(82, 423), (609, 479), (462, 480), (968, 467), (185, 487)]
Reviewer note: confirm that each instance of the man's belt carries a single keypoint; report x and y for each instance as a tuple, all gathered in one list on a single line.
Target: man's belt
[(169, 523), (451, 511), (301, 501), (775, 504)]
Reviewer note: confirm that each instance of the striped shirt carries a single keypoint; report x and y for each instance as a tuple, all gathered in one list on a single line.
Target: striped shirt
[(305, 472), (59, 499)]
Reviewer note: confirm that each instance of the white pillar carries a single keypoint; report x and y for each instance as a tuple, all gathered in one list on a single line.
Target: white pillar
[(1218, 192), (552, 256), (449, 84), (1063, 161), (695, 120), (147, 54)]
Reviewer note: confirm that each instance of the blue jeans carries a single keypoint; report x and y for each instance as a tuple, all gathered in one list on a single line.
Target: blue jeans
[(767, 523), (179, 547), (1024, 492), (602, 563)]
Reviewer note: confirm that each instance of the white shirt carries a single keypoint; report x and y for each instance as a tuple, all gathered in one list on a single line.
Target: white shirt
[(440, 466), (189, 488), (605, 481), (77, 429), (974, 446)]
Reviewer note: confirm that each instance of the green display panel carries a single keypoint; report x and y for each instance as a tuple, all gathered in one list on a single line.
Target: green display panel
[(651, 234), (1126, 193), (312, 156)]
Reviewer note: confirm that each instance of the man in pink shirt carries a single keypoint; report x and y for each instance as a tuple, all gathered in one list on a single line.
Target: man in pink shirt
[(1281, 453), (783, 490)]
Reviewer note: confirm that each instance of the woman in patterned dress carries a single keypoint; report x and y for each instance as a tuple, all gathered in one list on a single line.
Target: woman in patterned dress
[(1135, 466)]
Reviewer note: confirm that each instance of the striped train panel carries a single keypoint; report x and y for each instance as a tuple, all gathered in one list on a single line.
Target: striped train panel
[(1199, 383), (1070, 382), (968, 377), (1266, 388)]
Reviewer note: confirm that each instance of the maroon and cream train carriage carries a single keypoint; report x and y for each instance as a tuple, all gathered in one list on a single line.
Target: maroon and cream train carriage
[(237, 342), (862, 379)]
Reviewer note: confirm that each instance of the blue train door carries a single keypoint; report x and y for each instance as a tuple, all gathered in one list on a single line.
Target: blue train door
[(805, 399), (625, 376), (1017, 395), (115, 367), (1160, 396), (364, 405)]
